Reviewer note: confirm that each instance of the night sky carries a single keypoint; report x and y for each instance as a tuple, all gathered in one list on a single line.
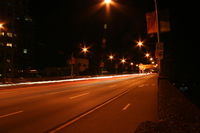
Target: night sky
[(62, 26)]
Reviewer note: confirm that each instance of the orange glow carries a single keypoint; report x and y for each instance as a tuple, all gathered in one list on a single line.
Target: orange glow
[(107, 1), (140, 43), (85, 49), (147, 54), (123, 60), (111, 57)]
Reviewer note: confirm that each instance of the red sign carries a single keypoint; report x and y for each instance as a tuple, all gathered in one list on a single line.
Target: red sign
[(102, 64), (152, 24), (73, 60)]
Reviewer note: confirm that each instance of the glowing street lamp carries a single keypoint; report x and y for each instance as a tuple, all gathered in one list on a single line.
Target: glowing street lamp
[(123, 61), (1, 26), (111, 57), (107, 1), (139, 43), (84, 49), (147, 55)]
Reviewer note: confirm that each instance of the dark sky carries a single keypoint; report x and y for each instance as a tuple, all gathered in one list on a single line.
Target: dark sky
[(63, 25)]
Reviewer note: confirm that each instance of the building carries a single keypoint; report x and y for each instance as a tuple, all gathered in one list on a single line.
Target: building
[(146, 68), (16, 39), (80, 66)]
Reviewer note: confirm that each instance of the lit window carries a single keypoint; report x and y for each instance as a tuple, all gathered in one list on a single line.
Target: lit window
[(28, 19), (9, 44), (105, 26), (8, 60), (9, 34), (2, 33), (25, 51)]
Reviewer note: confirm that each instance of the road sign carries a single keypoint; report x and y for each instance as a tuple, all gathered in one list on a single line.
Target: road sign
[(159, 54), (102, 64), (159, 46)]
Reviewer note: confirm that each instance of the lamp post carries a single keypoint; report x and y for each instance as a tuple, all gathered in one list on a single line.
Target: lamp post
[(158, 36), (72, 62), (157, 21), (140, 44), (107, 1)]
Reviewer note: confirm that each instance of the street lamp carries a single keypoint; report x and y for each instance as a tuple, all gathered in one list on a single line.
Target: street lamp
[(123, 61), (111, 57), (147, 55), (1, 26), (107, 1), (140, 43), (85, 49)]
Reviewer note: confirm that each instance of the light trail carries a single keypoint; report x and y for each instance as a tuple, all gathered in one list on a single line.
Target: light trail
[(69, 80)]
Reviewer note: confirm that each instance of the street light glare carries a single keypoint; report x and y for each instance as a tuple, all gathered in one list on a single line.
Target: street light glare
[(111, 57), (147, 54), (107, 1), (140, 43), (85, 49), (123, 60)]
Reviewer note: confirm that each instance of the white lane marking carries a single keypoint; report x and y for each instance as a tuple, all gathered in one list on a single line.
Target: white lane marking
[(90, 111), (11, 114), (113, 86), (142, 85), (126, 106), (79, 95), (56, 92)]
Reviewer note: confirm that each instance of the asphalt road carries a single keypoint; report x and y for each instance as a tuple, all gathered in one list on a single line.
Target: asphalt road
[(115, 104)]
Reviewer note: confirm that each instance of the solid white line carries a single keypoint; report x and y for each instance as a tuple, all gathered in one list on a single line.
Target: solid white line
[(56, 92), (126, 106), (113, 86), (79, 95), (79, 117), (142, 85), (11, 114)]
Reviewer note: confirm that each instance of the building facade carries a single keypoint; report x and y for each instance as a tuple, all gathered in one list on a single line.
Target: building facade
[(16, 39)]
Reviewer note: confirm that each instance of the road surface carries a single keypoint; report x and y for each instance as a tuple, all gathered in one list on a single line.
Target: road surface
[(113, 104)]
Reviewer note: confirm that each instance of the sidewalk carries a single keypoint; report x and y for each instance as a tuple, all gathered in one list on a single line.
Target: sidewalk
[(176, 113)]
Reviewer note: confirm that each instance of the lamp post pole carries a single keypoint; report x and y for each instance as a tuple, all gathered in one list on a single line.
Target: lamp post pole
[(157, 21), (72, 62), (158, 38)]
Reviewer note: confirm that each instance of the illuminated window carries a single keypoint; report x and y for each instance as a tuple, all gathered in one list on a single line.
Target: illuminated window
[(105, 26), (8, 60), (25, 51), (2, 33), (9, 34), (9, 44)]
